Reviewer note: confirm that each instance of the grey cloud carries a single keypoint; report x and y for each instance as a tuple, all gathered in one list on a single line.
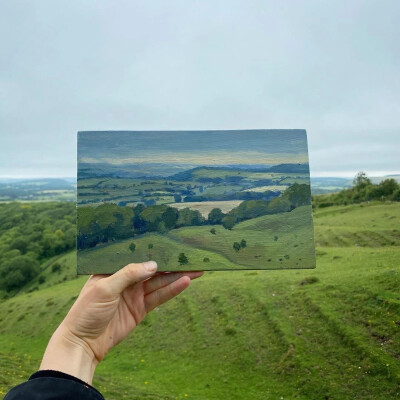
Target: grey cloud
[(329, 67)]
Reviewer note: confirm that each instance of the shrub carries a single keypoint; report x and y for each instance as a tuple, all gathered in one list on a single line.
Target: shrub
[(229, 221), (19, 271), (309, 280), (230, 332), (206, 259), (182, 259), (236, 246), (56, 267), (132, 247)]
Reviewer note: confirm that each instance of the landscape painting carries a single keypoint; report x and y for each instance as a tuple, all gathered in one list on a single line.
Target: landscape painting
[(194, 200)]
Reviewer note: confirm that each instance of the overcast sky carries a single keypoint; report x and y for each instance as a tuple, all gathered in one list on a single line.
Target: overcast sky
[(330, 67)]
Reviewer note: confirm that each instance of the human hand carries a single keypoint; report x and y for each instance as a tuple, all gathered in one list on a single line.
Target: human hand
[(108, 308)]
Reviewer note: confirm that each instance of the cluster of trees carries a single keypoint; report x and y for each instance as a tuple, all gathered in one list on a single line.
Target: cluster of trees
[(29, 234), (363, 190), (294, 196), (241, 195), (109, 222)]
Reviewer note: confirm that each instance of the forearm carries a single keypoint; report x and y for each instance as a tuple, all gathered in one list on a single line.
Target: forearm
[(64, 353)]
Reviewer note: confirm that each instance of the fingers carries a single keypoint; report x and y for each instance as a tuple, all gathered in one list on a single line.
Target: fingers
[(129, 275), (163, 279), (93, 278), (160, 296)]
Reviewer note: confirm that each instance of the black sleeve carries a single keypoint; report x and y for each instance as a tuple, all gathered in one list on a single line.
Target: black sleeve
[(53, 385)]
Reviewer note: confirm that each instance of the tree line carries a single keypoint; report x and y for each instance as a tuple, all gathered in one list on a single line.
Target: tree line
[(109, 222), (363, 190)]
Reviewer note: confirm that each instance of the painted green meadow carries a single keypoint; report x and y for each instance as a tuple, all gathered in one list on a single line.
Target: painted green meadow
[(211, 247), (328, 333)]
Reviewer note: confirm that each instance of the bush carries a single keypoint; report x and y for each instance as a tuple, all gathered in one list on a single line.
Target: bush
[(228, 222), (56, 267), (206, 259), (213, 231), (19, 271), (42, 279), (132, 247), (236, 246), (309, 280), (243, 244)]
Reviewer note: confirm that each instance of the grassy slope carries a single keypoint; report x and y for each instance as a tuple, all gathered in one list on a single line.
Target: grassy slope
[(293, 232), (329, 333)]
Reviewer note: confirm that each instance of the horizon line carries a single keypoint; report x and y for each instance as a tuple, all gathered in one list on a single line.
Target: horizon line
[(321, 174)]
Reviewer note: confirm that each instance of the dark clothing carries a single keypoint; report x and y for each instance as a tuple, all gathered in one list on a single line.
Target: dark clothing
[(53, 385)]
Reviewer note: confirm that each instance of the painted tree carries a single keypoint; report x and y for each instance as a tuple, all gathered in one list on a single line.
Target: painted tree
[(215, 216), (149, 247), (236, 246), (132, 247), (182, 259)]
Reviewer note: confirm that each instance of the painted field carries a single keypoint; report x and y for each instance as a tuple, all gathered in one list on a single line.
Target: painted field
[(274, 188), (211, 247), (206, 206)]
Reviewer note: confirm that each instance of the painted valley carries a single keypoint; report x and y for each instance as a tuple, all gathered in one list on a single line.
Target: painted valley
[(194, 200)]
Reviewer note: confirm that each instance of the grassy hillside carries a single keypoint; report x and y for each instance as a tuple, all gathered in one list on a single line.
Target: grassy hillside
[(293, 231), (328, 333)]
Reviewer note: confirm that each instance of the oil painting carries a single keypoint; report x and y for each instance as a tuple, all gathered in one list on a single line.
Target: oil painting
[(194, 200)]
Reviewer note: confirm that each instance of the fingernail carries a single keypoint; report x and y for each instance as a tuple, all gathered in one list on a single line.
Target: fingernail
[(151, 266)]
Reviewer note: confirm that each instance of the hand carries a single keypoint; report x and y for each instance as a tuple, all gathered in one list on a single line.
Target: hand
[(108, 308)]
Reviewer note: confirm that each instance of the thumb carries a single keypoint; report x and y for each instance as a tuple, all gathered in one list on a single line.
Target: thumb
[(129, 275)]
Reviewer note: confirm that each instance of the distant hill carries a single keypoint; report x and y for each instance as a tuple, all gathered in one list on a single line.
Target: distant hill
[(290, 168), (174, 171), (280, 168), (38, 189), (132, 170)]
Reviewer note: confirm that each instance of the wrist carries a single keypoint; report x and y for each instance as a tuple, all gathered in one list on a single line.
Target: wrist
[(69, 354)]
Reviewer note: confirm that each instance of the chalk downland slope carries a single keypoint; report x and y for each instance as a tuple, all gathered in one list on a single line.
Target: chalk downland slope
[(328, 333)]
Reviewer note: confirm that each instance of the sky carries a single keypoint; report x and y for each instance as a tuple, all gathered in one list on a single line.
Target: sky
[(330, 67), (197, 148)]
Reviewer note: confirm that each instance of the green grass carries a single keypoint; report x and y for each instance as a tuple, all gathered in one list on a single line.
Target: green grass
[(328, 333), (369, 226), (273, 242)]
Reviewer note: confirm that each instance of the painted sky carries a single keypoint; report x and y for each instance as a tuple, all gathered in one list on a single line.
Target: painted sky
[(197, 148), (330, 67)]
